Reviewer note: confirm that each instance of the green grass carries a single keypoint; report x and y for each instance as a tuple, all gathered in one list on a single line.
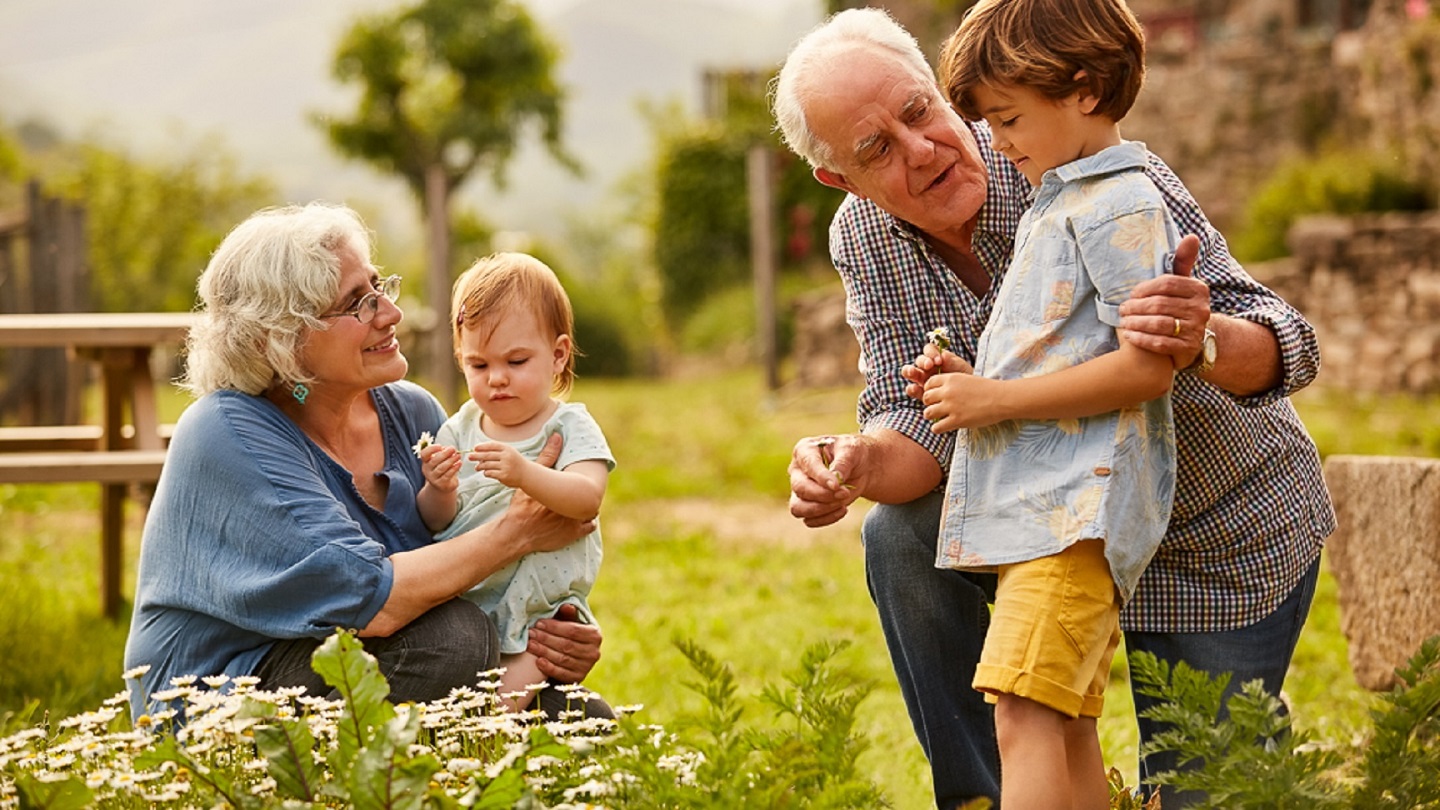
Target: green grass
[(699, 545)]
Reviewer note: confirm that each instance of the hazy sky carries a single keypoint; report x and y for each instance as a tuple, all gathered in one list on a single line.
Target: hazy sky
[(147, 75)]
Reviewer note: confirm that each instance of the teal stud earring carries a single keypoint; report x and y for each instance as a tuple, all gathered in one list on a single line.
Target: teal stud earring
[(300, 392)]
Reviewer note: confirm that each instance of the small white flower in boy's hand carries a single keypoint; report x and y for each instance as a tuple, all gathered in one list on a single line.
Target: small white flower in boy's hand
[(425, 441), (940, 336)]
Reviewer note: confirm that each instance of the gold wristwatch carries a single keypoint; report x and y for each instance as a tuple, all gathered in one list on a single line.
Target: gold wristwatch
[(1205, 361)]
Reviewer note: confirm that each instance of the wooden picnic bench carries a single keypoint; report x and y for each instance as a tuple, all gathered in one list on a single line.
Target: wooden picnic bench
[(65, 437), (127, 448)]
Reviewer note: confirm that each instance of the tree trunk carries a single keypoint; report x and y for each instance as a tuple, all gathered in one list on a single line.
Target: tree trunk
[(439, 357), (760, 177)]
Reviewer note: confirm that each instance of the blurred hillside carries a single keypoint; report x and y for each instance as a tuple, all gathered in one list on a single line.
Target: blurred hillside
[(146, 74)]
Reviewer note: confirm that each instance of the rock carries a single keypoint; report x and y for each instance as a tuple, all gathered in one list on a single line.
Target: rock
[(1385, 555)]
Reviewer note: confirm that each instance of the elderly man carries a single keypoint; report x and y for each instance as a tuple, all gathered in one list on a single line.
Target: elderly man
[(923, 241)]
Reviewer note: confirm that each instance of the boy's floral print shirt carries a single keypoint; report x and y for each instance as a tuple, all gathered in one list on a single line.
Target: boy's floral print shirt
[(1020, 490)]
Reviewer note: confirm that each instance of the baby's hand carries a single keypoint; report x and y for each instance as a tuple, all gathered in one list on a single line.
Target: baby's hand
[(441, 465), (501, 462)]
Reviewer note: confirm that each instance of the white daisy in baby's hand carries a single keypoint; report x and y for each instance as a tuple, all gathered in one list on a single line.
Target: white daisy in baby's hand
[(940, 336), (425, 441)]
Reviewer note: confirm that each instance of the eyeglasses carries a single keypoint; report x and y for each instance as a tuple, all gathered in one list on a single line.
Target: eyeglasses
[(365, 309)]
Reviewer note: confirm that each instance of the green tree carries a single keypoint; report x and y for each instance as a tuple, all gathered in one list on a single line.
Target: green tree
[(151, 225), (701, 214), (448, 87)]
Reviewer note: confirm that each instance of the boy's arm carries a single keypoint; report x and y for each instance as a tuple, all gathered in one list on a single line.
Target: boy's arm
[(1119, 379), (1286, 359)]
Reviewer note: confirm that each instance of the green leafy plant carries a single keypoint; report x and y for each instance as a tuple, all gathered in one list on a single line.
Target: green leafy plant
[(245, 748), (1256, 758), (1401, 762), (714, 760)]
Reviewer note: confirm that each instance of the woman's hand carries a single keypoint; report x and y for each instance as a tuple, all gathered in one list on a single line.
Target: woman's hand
[(565, 650)]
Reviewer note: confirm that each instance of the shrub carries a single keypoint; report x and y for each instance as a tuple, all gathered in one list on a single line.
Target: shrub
[(1341, 182), (1256, 759)]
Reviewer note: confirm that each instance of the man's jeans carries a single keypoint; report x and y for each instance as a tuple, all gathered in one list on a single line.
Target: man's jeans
[(1260, 651), (935, 622)]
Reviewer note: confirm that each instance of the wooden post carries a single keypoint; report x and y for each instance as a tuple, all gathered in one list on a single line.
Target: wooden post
[(759, 171), (73, 294), (441, 370), (46, 374)]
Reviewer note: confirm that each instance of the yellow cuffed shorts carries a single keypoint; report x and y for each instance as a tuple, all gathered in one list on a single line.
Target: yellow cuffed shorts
[(1054, 632)]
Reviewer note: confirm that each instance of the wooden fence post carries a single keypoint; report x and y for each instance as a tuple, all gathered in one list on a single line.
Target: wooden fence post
[(40, 386)]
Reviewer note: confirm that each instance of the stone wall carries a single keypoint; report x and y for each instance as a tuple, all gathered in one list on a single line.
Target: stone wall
[(1370, 285), (1385, 558), (1225, 109)]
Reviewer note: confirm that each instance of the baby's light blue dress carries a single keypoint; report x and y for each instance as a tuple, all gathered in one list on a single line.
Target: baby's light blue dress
[(536, 585)]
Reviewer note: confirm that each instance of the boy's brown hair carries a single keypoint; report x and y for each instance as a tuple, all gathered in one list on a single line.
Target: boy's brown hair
[(1042, 44), (503, 283)]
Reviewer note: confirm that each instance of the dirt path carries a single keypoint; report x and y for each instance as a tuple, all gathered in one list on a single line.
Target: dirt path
[(748, 521)]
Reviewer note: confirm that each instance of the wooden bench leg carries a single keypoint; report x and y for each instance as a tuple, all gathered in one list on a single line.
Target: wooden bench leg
[(112, 546)]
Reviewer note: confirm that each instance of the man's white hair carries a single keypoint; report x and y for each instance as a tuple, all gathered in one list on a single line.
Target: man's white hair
[(816, 53)]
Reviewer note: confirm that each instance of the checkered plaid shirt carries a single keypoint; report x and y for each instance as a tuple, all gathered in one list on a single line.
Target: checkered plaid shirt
[(1251, 509)]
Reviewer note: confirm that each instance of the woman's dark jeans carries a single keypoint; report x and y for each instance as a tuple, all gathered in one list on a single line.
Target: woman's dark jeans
[(441, 650)]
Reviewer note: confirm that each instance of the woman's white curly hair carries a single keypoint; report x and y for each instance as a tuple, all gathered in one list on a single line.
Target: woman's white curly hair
[(262, 290)]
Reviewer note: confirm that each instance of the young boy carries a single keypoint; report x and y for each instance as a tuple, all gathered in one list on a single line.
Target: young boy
[(1064, 468)]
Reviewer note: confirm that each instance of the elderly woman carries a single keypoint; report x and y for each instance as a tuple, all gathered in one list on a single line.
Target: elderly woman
[(287, 505)]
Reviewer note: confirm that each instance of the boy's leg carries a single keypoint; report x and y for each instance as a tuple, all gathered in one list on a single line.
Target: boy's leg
[(1259, 651), (934, 622), (1046, 662), (522, 679), (1086, 764), (1032, 751)]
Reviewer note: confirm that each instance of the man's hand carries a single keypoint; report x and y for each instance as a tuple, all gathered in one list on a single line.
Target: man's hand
[(827, 474), (565, 650), (1168, 314)]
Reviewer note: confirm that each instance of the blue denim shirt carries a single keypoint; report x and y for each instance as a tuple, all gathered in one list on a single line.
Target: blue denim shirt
[(1024, 489), (256, 534)]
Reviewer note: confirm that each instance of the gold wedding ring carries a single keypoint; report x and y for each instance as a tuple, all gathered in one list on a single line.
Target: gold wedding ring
[(1177, 327)]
